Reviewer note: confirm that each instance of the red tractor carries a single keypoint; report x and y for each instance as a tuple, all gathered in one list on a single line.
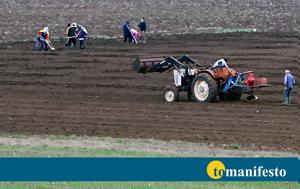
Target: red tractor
[(202, 84)]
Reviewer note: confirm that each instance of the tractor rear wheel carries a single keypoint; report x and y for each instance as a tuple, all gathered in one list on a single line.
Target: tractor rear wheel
[(204, 88), (171, 94)]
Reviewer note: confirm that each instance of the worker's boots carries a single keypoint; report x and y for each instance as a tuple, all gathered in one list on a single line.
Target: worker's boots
[(289, 99), (286, 100)]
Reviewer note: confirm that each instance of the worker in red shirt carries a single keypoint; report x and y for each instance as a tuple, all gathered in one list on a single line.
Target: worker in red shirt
[(42, 41)]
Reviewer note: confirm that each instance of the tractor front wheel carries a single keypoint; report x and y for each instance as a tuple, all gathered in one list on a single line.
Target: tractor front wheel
[(204, 88), (171, 94)]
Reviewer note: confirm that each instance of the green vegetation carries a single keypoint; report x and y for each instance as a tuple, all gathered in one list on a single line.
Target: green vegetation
[(235, 146), (103, 37), (223, 30), (47, 151)]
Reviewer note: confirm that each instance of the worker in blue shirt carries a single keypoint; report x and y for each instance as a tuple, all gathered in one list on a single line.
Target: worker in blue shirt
[(82, 34), (289, 82), (127, 32)]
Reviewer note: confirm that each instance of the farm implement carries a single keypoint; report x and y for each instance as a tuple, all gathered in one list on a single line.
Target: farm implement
[(202, 84)]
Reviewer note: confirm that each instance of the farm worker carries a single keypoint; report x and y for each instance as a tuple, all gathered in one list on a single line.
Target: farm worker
[(288, 82), (220, 63), (81, 35), (127, 32), (42, 38), (134, 34), (71, 35), (143, 27)]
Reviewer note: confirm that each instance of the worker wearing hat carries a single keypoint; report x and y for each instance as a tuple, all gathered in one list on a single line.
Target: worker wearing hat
[(41, 38), (82, 34), (71, 35)]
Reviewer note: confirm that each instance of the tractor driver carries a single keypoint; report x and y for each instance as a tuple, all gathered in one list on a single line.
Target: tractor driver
[(220, 63), (222, 69)]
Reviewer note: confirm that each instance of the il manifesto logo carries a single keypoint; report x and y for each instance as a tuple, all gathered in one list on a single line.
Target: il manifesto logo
[(217, 170)]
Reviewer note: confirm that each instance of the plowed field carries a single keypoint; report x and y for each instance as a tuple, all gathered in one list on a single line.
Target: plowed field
[(96, 93)]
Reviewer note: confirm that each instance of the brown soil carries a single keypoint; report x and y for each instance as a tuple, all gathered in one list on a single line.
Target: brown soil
[(96, 93), (21, 19)]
